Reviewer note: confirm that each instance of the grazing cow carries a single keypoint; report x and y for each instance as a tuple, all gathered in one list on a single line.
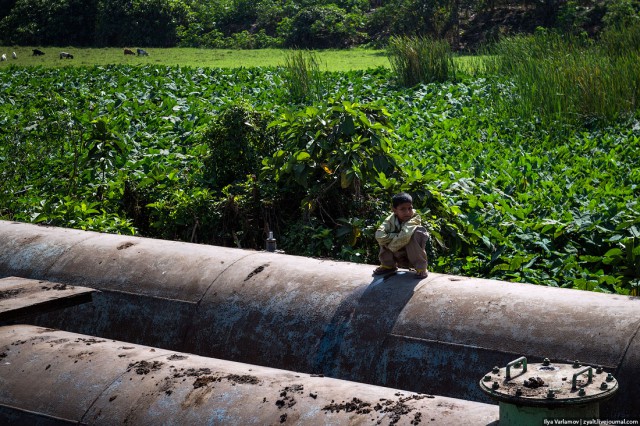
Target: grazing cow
[(3, 57), (128, 52), (142, 52), (65, 55), (37, 52), (14, 56)]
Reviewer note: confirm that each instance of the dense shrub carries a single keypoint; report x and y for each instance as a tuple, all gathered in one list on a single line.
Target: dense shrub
[(621, 13), (45, 22), (331, 157), (406, 17), (319, 27), (238, 139), (139, 22), (94, 22)]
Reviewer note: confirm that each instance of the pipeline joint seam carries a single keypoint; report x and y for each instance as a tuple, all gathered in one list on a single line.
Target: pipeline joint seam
[(222, 273), (57, 258), (43, 415), (624, 354), (148, 296), (475, 347), (189, 329)]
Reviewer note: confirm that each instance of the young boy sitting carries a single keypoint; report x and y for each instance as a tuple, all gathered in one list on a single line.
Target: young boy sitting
[(402, 239)]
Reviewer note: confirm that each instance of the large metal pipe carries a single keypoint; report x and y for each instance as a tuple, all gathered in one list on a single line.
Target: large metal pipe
[(55, 377), (436, 335)]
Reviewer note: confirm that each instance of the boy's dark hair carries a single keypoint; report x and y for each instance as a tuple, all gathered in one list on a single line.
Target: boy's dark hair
[(401, 198)]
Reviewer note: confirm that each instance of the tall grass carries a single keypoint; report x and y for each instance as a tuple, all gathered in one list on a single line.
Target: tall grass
[(420, 60), (302, 76), (571, 79)]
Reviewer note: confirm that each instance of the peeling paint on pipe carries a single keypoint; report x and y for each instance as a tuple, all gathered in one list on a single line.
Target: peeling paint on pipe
[(436, 335), (56, 377)]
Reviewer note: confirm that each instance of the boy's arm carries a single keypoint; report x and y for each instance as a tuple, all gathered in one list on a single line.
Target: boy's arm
[(384, 235)]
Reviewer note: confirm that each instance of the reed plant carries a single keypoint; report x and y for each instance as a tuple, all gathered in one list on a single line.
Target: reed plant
[(302, 76), (560, 77), (417, 60)]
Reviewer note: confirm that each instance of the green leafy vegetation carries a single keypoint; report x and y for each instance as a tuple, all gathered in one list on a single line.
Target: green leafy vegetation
[(220, 156)]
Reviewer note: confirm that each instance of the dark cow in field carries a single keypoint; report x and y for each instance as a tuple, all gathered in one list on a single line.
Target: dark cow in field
[(65, 55), (128, 52), (142, 52), (37, 52)]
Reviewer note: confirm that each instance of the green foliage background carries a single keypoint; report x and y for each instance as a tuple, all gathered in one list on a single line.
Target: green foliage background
[(244, 24), (142, 150)]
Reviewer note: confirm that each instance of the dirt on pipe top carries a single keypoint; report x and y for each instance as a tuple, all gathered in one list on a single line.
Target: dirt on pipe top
[(87, 380)]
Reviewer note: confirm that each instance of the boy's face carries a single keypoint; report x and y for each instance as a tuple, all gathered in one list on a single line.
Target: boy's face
[(404, 211)]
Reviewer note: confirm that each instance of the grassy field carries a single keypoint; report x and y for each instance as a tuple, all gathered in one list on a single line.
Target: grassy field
[(330, 60)]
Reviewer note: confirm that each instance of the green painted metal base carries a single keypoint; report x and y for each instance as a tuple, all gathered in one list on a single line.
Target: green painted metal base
[(518, 415)]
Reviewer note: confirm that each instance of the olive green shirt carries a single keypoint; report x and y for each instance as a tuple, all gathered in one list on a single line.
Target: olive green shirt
[(395, 235)]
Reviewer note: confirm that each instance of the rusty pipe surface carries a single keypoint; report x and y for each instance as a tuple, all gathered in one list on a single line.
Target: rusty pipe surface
[(436, 335), (53, 377)]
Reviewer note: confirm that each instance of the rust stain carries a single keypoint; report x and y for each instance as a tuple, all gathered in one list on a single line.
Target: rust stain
[(190, 372), (145, 367), (176, 357), (395, 409), (82, 355), (204, 381), (6, 294), (88, 341), (29, 240), (256, 271), (287, 396), (243, 378), (125, 245), (198, 395), (56, 287)]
